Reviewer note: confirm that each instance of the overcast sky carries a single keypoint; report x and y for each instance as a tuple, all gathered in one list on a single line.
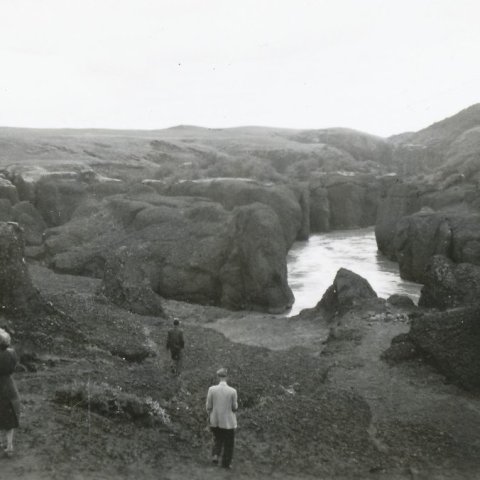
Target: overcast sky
[(380, 66)]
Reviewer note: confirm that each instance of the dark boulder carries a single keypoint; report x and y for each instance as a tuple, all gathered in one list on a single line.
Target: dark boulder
[(448, 284), (348, 291), (401, 301), (449, 340), (402, 349)]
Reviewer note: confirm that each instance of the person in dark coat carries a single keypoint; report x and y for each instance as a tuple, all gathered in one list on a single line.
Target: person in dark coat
[(175, 344), (9, 398)]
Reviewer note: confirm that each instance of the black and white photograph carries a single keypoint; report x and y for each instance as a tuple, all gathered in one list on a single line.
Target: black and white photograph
[(239, 239)]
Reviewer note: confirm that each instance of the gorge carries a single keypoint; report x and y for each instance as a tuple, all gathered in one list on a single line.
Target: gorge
[(106, 236)]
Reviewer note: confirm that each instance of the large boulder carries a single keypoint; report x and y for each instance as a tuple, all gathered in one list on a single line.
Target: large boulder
[(347, 291), (449, 340), (183, 248), (448, 284), (17, 293)]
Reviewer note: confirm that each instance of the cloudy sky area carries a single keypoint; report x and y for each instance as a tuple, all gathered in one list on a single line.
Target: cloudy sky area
[(378, 66)]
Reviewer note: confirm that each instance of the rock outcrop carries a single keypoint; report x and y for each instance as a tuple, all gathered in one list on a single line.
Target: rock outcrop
[(126, 283), (57, 189), (340, 201), (448, 284), (17, 293), (31, 221), (419, 237), (289, 204), (448, 340), (396, 201), (8, 190), (184, 248)]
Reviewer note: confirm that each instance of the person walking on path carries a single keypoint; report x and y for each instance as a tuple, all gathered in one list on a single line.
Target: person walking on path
[(176, 343), (9, 398), (221, 407)]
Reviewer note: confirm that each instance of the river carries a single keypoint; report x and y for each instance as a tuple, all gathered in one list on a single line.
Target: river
[(312, 266)]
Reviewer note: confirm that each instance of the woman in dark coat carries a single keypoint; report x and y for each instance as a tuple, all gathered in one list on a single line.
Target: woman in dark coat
[(9, 399)]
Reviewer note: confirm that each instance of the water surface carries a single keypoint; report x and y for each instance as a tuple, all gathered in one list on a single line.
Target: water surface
[(312, 266)]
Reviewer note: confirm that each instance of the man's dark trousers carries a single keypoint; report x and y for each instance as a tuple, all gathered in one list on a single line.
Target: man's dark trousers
[(224, 438)]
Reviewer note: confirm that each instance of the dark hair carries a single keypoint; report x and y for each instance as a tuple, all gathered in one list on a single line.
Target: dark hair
[(176, 322)]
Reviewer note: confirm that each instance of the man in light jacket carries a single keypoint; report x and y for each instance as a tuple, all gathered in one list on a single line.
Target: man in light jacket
[(221, 407)]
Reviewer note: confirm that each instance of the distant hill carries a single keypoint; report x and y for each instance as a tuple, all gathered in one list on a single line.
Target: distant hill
[(194, 152), (265, 153), (454, 141)]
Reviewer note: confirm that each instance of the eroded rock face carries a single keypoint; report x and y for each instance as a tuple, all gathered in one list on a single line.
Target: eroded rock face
[(421, 236), (396, 202), (343, 201), (353, 201), (17, 294), (57, 199), (56, 189), (449, 285), (126, 284), (319, 208), (32, 223), (178, 247), (417, 238)]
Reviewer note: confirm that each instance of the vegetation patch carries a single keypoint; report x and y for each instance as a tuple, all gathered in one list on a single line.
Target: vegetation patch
[(112, 402)]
